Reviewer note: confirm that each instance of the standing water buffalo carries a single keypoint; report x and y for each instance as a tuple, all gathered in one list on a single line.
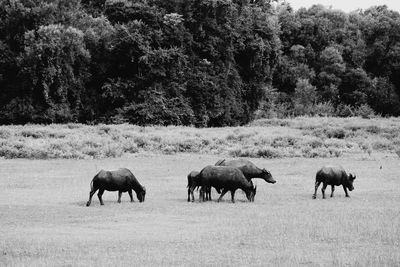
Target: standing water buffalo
[(248, 168), (228, 178), (333, 175), (121, 180)]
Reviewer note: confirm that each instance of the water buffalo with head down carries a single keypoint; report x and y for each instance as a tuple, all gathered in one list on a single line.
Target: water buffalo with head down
[(121, 180), (226, 177), (333, 175), (248, 168)]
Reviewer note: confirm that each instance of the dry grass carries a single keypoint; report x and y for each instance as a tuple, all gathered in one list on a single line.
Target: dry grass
[(44, 221), (272, 138)]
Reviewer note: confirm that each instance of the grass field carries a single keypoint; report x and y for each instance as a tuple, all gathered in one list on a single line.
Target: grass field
[(44, 220)]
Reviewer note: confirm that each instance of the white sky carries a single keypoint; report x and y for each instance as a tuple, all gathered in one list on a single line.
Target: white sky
[(346, 5)]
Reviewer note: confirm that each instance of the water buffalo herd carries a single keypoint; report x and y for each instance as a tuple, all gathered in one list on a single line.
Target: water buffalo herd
[(224, 176)]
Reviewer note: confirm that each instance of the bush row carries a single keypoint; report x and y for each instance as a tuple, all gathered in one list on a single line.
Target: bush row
[(268, 138)]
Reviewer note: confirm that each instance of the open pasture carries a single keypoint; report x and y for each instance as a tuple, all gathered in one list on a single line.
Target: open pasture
[(44, 220)]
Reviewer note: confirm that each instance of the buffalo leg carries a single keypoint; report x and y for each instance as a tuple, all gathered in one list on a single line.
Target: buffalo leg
[(91, 193), (201, 194), (100, 194), (130, 194), (324, 185), (316, 188), (345, 191), (333, 190), (233, 196), (119, 196), (222, 194), (190, 193), (209, 193)]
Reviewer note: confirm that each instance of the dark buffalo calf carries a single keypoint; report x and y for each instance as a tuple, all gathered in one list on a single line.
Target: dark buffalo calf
[(333, 175), (121, 180), (193, 183)]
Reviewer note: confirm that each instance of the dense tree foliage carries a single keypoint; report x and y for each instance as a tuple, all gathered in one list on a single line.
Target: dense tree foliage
[(192, 62)]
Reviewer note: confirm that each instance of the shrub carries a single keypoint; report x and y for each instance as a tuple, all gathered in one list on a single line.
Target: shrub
[(366, 147), (344, 110), (270, 122), (186, 146), (382, 144), (336, 143), (264, 152), (140, 141), (315, 143), (310, 152), (104, 129), (73, 126), (284, 141), (373, 129), (4, 134), (169, 150), (33, 133), (338, 133), (113, 150), (364, 111), (130, 147), (324, 109), (236, 152), (268, 152), (335, 152)]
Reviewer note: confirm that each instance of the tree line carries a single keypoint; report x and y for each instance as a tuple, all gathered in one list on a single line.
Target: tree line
[(193, 62)]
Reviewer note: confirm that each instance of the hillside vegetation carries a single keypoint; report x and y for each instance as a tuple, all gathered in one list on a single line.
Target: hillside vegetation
[(269, 138), (194, 62)]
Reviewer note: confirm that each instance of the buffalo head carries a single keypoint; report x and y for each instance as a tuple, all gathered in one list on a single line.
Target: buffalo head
[(267, 176), (350, 181), (141, 194), (250, 194)]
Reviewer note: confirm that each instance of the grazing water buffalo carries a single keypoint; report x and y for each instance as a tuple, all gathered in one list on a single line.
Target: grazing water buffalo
[(121, 180), (333, 175), (228, 178), (248, 168)]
